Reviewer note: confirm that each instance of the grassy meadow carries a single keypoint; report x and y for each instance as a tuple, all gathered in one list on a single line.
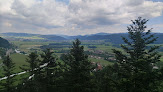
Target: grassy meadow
[(19, 60), (31, 46)]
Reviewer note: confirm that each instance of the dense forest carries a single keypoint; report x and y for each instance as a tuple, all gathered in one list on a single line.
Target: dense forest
[(4, 43), (135, 71)]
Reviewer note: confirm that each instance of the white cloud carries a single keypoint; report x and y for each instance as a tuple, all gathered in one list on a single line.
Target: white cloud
[(76, 17), (108, 12), (5, 7), (46, 13)]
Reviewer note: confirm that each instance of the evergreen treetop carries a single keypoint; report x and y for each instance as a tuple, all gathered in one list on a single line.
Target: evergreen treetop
[(136, 68)]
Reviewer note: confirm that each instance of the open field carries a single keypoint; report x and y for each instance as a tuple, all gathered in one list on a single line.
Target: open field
[(19, 60), (31, 46), (101, 61), (33, 37), (27, 46)]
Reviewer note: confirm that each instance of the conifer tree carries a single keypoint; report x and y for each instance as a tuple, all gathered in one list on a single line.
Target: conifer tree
[(29, 83), (49, 70), (137, 72), (106, 79), (78, 69), (8, 67), (49, 59), (2, 52)]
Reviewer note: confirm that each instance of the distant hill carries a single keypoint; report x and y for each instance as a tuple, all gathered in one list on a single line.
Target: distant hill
[(27, 35), (102, 33), (113, 38), (53, 37), (19, 34), (4, 43), (160, 38)]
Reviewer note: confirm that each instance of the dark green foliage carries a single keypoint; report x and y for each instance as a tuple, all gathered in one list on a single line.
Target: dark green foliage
[(33, 62), (42, 75), (30, 84), (4, 43), (49, 59), (137, 72), (106, 79), (78, 74), (49, 69), (8, 67), (2, 52)]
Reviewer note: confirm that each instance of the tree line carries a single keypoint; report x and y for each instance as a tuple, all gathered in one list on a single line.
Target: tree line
[(134, 71)]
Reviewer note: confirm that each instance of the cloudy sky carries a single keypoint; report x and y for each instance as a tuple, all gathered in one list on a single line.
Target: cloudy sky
[(77, 17)]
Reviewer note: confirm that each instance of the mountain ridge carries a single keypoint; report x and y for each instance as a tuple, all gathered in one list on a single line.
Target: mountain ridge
[(115, 38)]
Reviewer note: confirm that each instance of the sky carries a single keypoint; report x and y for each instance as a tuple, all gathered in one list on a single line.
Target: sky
[(77, 17)]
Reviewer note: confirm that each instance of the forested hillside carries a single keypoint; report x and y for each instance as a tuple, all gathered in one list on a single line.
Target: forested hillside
[(4, 43), (115, 38)]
